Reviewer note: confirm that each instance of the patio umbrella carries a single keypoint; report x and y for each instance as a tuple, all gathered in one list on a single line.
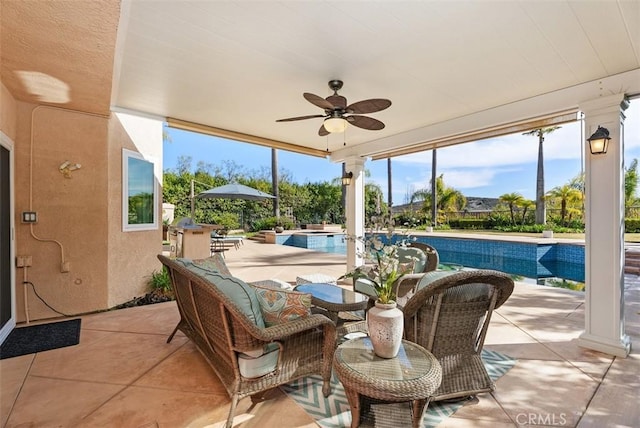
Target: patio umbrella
[(235, 191)]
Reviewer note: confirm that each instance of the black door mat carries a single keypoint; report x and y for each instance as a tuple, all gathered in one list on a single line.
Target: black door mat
[(40, 337)]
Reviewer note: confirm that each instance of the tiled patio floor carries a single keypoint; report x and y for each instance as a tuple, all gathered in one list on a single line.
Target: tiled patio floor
[(124, 374)]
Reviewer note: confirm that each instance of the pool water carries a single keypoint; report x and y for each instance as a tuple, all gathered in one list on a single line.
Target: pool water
[(553, 264)]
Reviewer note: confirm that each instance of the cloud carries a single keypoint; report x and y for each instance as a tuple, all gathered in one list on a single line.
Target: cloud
[(632, 125), (464, 178), (502, 165), (470, 178), (517, 149), (503, 151)]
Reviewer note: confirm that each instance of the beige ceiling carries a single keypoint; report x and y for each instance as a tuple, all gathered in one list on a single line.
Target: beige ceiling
[(451, 69)]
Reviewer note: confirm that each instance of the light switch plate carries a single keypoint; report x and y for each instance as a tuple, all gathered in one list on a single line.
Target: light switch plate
[(29, 217)]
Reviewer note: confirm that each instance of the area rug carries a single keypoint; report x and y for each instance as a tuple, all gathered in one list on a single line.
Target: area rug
[(334, 411), (40, 337)]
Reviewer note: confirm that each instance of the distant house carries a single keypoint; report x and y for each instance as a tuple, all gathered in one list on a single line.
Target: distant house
[(475, 205)]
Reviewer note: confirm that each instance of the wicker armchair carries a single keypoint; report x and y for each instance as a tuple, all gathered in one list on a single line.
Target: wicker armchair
[(424, 258), (222, 331), (449, 315), (433, 259)]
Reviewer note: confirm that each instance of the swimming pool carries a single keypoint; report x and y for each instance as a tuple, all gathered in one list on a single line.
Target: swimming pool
[(537, 260)]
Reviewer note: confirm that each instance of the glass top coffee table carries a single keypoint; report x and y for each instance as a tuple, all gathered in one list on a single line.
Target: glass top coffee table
[(332, 299), (413, 376)]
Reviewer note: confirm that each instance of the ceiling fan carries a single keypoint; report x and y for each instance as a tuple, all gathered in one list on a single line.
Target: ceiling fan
[(338, 114)]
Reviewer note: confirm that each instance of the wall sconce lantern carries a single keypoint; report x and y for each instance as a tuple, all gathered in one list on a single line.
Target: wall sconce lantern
[(346, 178), (599, 141)]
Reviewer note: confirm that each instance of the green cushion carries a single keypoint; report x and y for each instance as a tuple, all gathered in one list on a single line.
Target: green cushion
[(242, 294), (260, 362), (429, 277), (215, 263), (409, 254), (364, 286)]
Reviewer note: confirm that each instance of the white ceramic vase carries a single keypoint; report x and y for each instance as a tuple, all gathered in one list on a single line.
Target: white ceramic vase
[(385, 323)]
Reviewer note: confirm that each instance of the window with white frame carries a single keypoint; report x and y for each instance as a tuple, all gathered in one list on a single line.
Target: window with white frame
[(139, 192)]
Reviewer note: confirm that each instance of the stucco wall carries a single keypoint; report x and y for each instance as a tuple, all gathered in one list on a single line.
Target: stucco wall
[(8, 112), (132, 255), (72, 212), (80, 217)]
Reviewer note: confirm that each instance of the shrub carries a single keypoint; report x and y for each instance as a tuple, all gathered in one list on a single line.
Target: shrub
[(498, 218), (632, 225), (268, 223), (265, 223), (228, 220), (468, 223), (411, 220), (161, 282)]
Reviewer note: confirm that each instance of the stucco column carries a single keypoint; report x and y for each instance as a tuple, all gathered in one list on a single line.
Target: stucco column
[(354, 211), (604, 255)]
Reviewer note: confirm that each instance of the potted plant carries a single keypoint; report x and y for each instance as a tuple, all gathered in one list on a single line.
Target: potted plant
[(385, 321)]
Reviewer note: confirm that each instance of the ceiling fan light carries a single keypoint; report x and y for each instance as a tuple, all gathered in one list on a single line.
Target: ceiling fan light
[(335, 124)]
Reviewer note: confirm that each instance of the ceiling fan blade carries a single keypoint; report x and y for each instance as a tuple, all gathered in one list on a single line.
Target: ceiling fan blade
[(290, 119), (338, 101), (368, 106), (365, 122), (322, 132), (318, 101)]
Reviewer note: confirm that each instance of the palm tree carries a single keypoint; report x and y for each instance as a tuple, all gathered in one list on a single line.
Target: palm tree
[(541, 215), (577, 182), (566, 195), (274, 183), (630, 186), (448, 199), (512, 200), (525, 204)]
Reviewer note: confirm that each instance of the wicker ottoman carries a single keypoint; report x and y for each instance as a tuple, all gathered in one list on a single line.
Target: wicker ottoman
[(414, 376)]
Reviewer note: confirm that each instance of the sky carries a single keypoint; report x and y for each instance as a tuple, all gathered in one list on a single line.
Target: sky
[(487, 168)]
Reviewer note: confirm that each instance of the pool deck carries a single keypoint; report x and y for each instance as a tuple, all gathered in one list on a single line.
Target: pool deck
[(123, 374)]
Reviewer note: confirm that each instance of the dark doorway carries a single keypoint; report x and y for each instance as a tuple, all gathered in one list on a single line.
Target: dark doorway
[(5, 237)]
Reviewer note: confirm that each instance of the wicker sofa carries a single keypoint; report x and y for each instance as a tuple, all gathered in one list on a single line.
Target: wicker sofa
[(448, 314), (216, 314)]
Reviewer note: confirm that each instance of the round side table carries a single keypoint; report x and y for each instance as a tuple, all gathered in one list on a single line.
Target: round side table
[(414, 375)]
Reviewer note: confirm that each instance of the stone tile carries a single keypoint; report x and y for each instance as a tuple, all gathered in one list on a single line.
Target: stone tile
[(184, 370), (507, 338), (526, 351), (544, 391), (13, 373), (261, 261), (106, 357), (140, 407), (616, 401), (632, 313), (174, 386), (159, 318), (547, 328), (484, 409), (45, 402), (455, 422), (275, 409)]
